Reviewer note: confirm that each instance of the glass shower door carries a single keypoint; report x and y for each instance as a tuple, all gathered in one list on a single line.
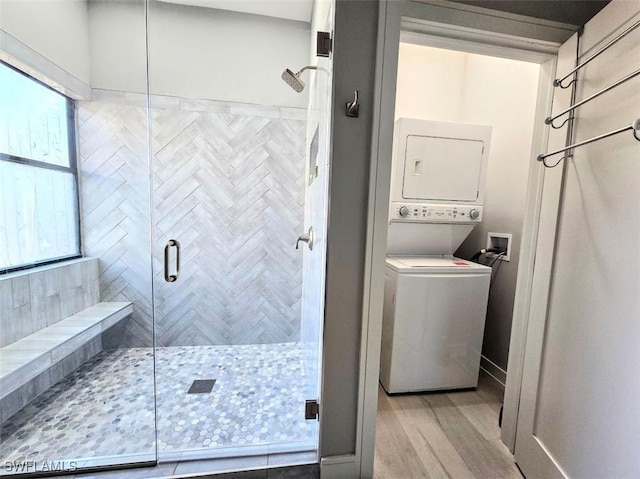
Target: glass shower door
[(230, 161), (76, 356), (316, 206)]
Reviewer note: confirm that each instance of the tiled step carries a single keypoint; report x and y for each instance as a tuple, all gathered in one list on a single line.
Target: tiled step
[(26, 358)]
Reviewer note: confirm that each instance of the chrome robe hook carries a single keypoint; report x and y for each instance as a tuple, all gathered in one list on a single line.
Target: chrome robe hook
[(353, 107)]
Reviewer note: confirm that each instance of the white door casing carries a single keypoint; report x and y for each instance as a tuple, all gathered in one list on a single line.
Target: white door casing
[(526, 445)]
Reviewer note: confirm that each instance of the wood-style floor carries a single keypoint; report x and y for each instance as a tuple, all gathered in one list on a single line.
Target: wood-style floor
[(442, 435)]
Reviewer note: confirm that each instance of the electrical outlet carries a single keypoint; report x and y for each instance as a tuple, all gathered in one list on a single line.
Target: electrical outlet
[(502, 242)]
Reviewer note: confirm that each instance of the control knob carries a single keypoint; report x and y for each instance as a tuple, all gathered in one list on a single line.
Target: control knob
[(404, 211), (474, 214)]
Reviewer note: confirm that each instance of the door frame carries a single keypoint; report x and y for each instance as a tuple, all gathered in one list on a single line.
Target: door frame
[(477, 30)]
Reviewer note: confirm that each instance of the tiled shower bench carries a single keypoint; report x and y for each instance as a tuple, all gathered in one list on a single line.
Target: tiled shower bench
[(26, 358)]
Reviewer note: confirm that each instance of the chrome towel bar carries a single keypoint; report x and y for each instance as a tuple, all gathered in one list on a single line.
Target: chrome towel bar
[(558, 81), (549, 120), (634, 127)]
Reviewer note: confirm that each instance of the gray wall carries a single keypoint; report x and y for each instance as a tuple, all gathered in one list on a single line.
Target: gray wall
[(354, 61), (575, 12)]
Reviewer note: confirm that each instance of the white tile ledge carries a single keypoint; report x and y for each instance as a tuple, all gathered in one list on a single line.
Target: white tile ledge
[(23, 360), (46, 267)]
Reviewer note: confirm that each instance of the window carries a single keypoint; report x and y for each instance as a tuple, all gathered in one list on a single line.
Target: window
[(39, 218)]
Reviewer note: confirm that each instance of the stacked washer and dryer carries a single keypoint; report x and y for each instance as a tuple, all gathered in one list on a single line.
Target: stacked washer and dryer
[(435, 304)]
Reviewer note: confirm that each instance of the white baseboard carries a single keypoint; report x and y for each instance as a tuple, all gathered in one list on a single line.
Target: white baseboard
[(493, 370), (338, 467)]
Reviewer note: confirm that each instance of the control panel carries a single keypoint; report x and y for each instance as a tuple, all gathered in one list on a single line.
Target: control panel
[(426, 213)]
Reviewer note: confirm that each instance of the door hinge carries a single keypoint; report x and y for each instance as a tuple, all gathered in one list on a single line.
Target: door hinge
[(323, 44), (311, 409)]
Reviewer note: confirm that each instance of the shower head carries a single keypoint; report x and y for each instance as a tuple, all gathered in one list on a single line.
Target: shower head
[(294, 80)]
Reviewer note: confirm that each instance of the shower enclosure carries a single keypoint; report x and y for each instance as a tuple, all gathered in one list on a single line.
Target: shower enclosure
[(155, 308)]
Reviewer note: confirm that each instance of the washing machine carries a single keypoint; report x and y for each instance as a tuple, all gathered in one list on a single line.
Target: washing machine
[(434, 304), (433, 323)]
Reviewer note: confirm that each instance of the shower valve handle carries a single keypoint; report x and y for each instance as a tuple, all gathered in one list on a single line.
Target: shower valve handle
[(306, 238)]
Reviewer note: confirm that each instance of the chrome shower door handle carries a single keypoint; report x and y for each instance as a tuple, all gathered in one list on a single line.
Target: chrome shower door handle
[(306, 238), (171, 278)]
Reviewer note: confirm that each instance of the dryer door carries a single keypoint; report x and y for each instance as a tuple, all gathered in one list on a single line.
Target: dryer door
[(442, 169)]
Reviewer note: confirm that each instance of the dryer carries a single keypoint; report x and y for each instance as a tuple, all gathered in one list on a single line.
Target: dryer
[(438, 163), (438, 177)]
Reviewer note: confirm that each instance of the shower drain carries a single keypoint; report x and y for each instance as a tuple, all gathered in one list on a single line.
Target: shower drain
[(201, 386)]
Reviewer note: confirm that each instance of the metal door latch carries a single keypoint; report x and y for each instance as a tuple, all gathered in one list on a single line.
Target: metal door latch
[(323, 44), (311, 409)]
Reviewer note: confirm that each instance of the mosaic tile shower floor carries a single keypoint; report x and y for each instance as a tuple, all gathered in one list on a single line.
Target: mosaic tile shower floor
[(106, 407)]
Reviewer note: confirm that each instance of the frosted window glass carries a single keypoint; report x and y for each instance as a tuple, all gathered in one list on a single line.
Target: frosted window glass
[(33, 119), (37, 217), (38, 180)]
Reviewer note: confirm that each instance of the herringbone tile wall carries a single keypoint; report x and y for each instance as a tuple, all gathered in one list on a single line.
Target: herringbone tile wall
[(114, 208), (228, 183)]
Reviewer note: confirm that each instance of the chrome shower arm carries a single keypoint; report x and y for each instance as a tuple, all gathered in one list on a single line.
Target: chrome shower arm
[(308, 67)]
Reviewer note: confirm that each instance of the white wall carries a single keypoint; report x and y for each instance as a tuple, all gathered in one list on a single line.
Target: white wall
[(503, 94), (57, 29), (194, 52), (118, 45), (197, 52), (430, 83), (456, 86)]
